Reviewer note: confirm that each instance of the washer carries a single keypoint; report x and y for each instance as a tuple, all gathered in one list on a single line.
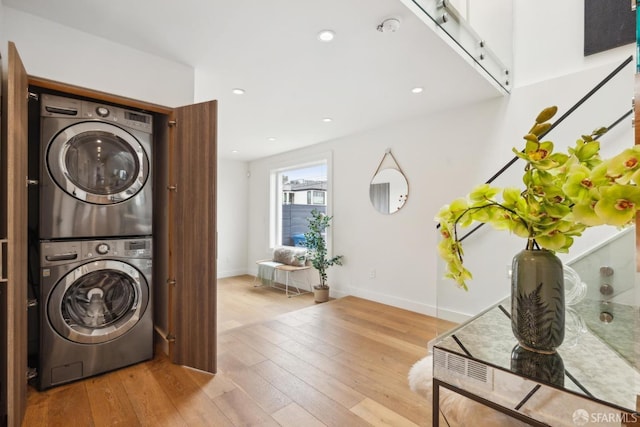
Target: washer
[(95, 170), (95, 308)]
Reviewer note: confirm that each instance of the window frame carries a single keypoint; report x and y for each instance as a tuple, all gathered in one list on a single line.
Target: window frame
[(276, 193)]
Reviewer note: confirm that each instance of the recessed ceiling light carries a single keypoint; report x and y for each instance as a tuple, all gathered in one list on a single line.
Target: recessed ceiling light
[(238, 91), (327, 119), (234, 151), (271, 139), (326, 35), (417, 90)]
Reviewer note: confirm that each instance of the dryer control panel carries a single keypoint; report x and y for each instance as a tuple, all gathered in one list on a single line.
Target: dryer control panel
[(119, 248), (64, 252), (132, 119), (58, 106)]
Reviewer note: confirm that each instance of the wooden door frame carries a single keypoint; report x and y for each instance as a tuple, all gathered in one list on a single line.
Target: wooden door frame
[(15, 137)]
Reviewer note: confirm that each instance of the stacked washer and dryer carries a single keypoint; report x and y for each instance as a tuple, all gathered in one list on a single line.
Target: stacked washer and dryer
[(95, 233)]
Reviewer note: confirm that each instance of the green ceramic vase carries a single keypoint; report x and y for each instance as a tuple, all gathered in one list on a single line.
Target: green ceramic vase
[(537, 300)]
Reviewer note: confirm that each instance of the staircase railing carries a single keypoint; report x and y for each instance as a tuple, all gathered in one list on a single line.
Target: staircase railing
[(557, 123), (448, 19)]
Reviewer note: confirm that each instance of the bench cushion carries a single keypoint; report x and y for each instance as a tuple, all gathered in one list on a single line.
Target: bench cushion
[(290, 255)]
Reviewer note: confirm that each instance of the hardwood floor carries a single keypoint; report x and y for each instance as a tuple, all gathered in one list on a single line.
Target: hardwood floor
[(281, 361), (240, 303)]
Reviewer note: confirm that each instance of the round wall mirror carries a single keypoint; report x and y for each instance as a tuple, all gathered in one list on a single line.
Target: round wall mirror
[(388, 191)]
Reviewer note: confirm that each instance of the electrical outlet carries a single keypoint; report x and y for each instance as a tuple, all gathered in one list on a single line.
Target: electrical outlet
[(372, 274)]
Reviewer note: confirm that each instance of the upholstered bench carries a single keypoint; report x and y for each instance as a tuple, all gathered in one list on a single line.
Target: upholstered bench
[(286, 259)]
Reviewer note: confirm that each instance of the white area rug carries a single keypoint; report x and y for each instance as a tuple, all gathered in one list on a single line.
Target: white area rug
[(456, 410)]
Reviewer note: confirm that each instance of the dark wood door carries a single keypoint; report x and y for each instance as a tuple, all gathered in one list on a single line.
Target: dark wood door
[(192, 236), (14, 227)]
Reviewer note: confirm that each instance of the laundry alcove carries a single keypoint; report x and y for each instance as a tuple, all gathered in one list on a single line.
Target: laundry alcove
[(184, 227)]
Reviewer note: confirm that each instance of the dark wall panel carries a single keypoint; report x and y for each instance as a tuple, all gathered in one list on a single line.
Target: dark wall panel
[(608, 24)]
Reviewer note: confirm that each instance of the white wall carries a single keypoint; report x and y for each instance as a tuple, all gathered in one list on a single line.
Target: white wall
[(444, 156), (233, 207), (493, 21), (549, 70), (399, 247), (66, 55), (488, 254), (233, 191), (549, 40)]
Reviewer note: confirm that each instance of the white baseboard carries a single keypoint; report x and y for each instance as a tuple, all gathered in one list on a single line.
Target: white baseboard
[(417, 307), (231, 273), (453, 316)]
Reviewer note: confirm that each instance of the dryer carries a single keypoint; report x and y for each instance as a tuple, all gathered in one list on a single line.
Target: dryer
[(96, 168), (95, 308)]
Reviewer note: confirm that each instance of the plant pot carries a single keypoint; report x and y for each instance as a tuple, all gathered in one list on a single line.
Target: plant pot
[(537, 300), (321, 294)]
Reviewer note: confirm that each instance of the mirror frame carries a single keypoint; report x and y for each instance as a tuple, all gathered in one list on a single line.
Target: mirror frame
[(402, 182)]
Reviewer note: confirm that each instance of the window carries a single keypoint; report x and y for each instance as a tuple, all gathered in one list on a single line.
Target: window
[(316, 198), (319, 198), (288, 198), (296, 191)]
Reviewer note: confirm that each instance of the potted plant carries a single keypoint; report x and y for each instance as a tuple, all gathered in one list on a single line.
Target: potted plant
[(564, 193), (317, 255)]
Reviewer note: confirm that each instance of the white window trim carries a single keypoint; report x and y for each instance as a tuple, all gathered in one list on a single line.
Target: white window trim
[(275, 196)]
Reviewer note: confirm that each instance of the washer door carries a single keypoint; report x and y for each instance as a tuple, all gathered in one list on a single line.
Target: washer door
[(97, 162), (98, 302)]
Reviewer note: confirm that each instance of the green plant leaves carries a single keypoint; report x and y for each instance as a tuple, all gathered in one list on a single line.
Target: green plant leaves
[(316, 245), (564, 193)]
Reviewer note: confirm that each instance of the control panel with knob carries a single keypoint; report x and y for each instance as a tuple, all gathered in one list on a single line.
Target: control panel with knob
[(102, 248), (102, 111), (140, 247)]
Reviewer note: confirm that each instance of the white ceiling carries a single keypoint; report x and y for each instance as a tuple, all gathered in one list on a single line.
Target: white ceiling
[(362, 79)]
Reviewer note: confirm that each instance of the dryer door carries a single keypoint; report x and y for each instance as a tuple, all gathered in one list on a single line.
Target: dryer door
[(98, 301), (97, 162)]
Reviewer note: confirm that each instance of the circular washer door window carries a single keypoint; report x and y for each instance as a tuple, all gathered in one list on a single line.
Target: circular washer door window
[(97, 162), (98, 302)]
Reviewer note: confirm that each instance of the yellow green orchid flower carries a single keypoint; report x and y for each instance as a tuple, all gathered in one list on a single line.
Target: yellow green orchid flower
[(564, 193)]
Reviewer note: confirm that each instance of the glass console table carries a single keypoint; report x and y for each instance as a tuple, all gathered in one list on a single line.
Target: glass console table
[(594, 379)]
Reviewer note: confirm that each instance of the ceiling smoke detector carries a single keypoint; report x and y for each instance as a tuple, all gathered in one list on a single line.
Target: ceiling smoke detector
[(389, 25)]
